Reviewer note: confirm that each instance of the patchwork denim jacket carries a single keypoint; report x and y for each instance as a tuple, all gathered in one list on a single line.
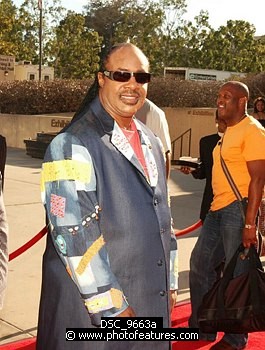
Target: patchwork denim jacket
[(97, 198)]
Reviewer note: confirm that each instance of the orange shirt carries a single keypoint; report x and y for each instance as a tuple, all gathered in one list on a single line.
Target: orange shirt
[(242, 143)]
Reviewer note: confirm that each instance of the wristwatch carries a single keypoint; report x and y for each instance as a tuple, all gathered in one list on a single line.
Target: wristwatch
[(248, 226)]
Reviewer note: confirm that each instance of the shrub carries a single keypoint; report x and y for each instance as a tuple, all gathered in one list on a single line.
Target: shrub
[(59, 96), (170, 92), (32, 97)]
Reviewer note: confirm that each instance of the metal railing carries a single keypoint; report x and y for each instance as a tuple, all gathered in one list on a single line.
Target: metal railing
[(180, 138)]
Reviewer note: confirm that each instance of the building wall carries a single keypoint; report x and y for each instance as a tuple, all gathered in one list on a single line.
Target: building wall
[(22, 70), (200, 121), (28, 71), (200, 74), (17, 128)]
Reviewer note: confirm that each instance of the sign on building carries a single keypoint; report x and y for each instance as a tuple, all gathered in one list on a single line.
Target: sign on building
[(7, 64), (187, 73), (196, 76)]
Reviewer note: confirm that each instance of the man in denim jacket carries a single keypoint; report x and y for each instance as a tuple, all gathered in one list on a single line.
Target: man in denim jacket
[(105, 192)]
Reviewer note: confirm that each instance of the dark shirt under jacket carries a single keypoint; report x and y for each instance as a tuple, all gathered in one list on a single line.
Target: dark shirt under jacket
[(262, 122), (2, 157), (207, 144)]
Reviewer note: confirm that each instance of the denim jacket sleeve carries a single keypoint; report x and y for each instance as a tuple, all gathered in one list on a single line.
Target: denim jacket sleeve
[(69, 193)]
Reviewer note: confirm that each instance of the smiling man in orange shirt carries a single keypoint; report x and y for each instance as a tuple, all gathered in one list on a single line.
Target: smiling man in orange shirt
[(243, 150)]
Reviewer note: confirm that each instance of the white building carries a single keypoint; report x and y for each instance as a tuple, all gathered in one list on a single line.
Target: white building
[(186, 73), (22, 70)]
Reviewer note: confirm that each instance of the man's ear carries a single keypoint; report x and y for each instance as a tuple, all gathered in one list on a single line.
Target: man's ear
[(243, 101), (101, 79)]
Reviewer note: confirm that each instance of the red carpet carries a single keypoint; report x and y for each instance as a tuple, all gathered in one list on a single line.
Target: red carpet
[(179, 319), (25, 344)]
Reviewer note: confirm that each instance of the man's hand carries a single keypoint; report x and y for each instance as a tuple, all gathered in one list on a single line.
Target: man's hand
[(173, 299), (127, 313), (249, 237), (185, 170)]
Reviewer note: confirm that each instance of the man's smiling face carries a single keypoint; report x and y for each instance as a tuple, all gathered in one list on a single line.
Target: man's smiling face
[(122, 99)]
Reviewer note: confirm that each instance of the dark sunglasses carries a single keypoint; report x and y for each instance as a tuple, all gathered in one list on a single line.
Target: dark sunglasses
[(123, 76)]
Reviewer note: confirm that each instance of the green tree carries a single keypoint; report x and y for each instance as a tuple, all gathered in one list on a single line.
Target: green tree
[(194, 35), (140, 27), (103, 16), (73, 43), (9, 38), (159, 31), (233, 48), (170, 38), (29, 24), (75, 48), (148, 25), (19, 28)]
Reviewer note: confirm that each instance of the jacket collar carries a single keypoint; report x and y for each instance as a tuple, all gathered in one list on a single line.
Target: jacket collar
[(118, 139)]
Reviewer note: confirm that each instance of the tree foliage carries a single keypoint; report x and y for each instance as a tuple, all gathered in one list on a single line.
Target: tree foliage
[(73, 42), (9, 43), (75, 48), (231, 48)]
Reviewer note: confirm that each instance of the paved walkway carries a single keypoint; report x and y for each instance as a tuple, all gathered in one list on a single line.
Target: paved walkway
[(18, 319)]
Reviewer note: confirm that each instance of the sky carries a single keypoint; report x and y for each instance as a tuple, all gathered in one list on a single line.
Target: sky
[(220, 11)]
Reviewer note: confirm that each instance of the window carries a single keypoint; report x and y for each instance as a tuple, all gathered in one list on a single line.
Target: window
[(32, 77), (46, 77)]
